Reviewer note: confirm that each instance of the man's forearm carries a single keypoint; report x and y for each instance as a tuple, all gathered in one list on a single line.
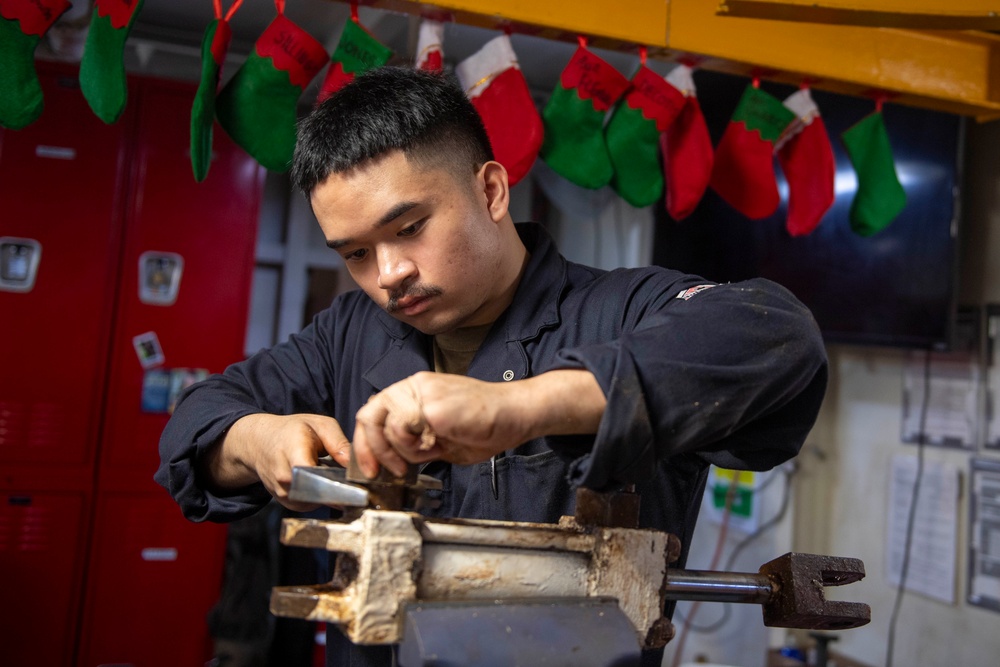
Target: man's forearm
[(225, 464), (562, 402)]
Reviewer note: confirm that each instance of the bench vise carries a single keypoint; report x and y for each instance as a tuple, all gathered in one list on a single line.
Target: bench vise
[(397, 572)]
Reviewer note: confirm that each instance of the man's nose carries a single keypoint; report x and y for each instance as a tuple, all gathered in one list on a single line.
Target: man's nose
[(394, 269)]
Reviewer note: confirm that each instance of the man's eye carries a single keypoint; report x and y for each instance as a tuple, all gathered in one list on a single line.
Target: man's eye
[(411, 229), (356, 255)]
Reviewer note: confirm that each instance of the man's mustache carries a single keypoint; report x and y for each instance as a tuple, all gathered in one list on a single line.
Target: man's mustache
[(415, 291)]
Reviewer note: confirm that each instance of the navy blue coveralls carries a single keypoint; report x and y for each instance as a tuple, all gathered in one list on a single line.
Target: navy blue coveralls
[(694, 373)]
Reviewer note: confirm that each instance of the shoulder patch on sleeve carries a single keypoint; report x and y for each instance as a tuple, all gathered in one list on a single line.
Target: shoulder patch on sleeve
[(691, 291)]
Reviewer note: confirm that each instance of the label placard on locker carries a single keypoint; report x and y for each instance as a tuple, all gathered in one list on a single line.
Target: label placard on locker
[(160, 277), (19, 260)]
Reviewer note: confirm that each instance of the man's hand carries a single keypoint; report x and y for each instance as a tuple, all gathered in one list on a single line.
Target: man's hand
[(263, 447), (431, 416)]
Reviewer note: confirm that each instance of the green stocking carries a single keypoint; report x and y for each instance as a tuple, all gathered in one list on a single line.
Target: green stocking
[(574, 120), (102, 70), (22, 24), (214, 45), (880, 196), (258, 107)]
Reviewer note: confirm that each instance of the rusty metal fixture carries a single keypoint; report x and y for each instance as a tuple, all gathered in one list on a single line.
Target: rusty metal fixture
[(388, 561), (354, 474), (789, 590), (616, 509), (798, 602), (349, 490), (402, 558), (388, 492)]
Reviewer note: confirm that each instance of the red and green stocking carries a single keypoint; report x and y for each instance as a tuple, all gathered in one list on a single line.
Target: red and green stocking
[(22, 24), (357, 51), (574, 143), (495, 84), (807, 160), (687, 150), (743, 173), (633, 136), (102, 69), (214, 46), (258, 106), (880, 196)]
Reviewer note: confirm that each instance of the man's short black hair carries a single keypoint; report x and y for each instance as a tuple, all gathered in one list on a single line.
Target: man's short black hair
[(427, 116)]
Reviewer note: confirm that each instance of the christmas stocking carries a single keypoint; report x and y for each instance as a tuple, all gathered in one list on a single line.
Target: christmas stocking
[(633, 136), (494, 82), (743, 173), (214, 45), (102, 69), (430, 56), (257, 108), (880, 196), (687, 150), (806, 158), (574, 119), (22, 24), (356, 52)]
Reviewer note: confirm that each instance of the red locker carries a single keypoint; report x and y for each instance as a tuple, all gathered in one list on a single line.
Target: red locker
[(186, 272), (61, 185), (210, 228), (152, 578), (82, 525), (41, 555)]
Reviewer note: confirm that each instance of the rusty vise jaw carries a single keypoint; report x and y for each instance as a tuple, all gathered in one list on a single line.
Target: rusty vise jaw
[(388, 560)]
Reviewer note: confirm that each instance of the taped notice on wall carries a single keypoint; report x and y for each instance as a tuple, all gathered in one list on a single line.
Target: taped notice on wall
[(933, 549), (984, 534), (949, 416)]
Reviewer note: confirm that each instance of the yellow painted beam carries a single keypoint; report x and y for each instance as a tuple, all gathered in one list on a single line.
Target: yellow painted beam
[(945, 70), (912, 14), (953, 71), (634, 21)]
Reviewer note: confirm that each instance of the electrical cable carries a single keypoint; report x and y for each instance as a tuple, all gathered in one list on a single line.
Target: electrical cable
[(723, 529), (786, 497), (711, 627), (911, 519), (742, 544)]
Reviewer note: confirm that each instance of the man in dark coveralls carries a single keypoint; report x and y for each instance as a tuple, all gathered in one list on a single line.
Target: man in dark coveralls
[(549, 374)]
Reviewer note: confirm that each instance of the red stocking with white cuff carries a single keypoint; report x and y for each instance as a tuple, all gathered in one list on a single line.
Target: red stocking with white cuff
[(430, 53), (493, 81), (806, 158), (687, 150)]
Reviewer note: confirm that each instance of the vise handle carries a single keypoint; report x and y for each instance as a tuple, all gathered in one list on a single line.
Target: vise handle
[(789, 590)]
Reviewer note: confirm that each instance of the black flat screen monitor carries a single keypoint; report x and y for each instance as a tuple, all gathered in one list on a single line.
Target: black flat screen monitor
[(897, 287)]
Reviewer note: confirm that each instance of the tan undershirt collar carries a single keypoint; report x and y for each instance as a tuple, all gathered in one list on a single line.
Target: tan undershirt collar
[(454, 350)]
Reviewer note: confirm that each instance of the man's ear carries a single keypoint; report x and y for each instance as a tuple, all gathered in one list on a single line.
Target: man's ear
[(493, 177)]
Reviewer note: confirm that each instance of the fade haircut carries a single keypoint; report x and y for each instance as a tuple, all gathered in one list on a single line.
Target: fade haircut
[(426, 116)]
